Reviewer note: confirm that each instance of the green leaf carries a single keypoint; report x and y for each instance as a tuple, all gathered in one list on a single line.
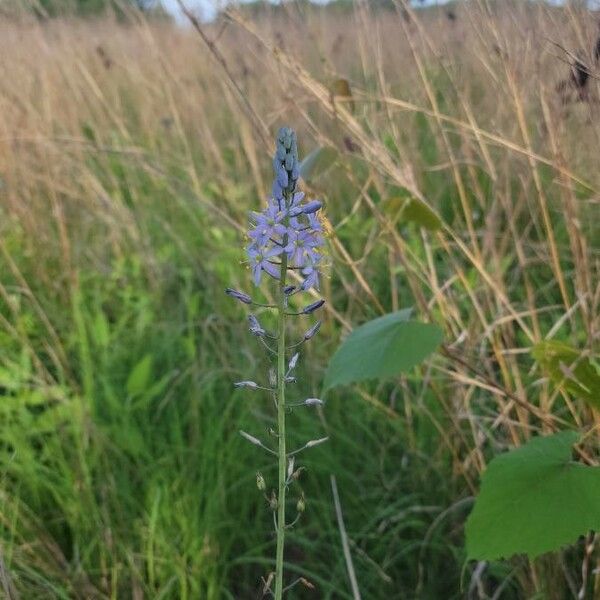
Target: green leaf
[(381, 348), (569, 369), (534, 499), (139, 378), (413, 210), (317, 162)]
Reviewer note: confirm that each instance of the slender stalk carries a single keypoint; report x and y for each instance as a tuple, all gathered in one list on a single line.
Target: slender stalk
[(281, 318)]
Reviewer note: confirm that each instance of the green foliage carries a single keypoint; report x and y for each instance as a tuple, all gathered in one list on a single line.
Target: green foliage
[(406, 209), (140, 376), (381, 348), (533, 500), (570, 369)]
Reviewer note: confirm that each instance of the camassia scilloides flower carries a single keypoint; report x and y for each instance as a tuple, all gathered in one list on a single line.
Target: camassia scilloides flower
[(286, 248)]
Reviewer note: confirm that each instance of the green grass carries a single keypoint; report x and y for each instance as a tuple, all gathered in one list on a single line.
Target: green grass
[(136, 470)]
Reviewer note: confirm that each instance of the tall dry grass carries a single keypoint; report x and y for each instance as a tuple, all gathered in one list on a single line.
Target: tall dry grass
[(101, 121)]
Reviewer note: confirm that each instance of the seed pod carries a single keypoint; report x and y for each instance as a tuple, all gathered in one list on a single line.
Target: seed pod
[(293, 361), (272, 377), (246, 384), (314, 443), (251, 438), (273, 502), (260, 482), (313, 402), (307, 583)]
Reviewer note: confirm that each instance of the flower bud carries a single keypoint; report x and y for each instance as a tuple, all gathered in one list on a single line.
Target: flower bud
[(306, 209), (312, 207), (255, 327), (312, 331), (282, 177), (307, 310), (260, 482), (239, 295), (301, 504)]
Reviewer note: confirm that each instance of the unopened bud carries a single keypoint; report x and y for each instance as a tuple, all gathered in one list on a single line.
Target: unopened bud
[(312, 331), (290, 469), (310, 207), (255, 327), (260, 482), (301, 504), (239, 295), (312, 307)]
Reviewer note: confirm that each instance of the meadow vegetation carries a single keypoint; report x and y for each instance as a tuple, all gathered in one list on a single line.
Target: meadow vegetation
[(457, 179)]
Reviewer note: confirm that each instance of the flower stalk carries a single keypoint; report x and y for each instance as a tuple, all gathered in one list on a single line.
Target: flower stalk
[(282, 452), (286, 236)]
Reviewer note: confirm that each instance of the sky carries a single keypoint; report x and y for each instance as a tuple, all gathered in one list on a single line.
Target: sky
[(206, 8)]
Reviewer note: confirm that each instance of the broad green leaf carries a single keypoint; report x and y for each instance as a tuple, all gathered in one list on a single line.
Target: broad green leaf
[(340, 88), (418, 212), (534, 499), (570, 369), (382, 348), (139, 378), (317, 162), (412, 210)]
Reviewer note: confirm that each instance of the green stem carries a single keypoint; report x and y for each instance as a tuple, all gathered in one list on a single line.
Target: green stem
[(281, 316)]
